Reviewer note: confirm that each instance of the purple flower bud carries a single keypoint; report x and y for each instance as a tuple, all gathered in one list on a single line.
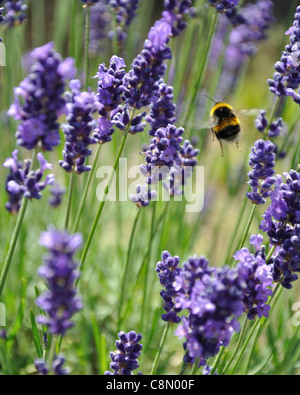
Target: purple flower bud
[(125, 359)]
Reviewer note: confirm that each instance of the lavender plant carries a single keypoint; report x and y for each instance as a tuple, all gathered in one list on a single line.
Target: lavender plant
[(199, 315)]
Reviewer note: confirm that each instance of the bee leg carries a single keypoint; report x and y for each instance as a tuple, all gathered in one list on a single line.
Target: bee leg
[(222, 149), (213, 133), (238, 146)]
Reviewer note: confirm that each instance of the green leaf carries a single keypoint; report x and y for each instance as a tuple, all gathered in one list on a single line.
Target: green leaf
[(35, 335)]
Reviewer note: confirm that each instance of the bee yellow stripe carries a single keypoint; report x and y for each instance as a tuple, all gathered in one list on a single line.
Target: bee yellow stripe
[(219, 105), (224, 123)]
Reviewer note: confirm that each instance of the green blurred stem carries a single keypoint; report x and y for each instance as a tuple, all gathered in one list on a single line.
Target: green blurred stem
[(260, 322), (15, 235), (195, 367), (235, 232), (152, 235), (69, 201), (217, 361), (126, 270), (241, 338), (241, 245), (159, 351), (199, 81), (86, 45), (13, 243), (86, 190), (274, 111), (102, 203)]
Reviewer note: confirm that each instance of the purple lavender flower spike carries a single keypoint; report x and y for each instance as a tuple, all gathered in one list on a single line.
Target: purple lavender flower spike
[(78, 130), (174, 13), (39, 99), (60, 301), (99, 25), (223, 5), (15, 12), (57, 367), (57, 193), (257, 275), (143, 196), (213, 298), (141, 84), (286, 80), (110, 96), (125, 12), (282, 224), (162, 110), (23, 182), (125, 359), (168, 270), (2, 18), (89, 3), (250, 25), (262, 163)]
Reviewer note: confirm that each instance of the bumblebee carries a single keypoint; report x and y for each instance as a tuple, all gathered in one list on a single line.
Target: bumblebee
[(226, 126), (224, 123)]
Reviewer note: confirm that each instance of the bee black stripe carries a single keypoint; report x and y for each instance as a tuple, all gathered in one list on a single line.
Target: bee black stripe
[(229, 132)]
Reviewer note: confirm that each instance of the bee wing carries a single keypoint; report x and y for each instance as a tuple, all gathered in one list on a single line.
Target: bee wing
[(253, 112), (208, 124)]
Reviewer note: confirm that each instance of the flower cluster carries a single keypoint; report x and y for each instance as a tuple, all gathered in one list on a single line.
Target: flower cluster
[(213, 298), (143, 196), (168, 270), (125, 11), (90, 2), (162, 110), (99, 27), (258, 277), (286, 79), (57, 192), (110, 96), (125, 359), (78, 129), (57, 366), (23, 181), (223, 5), (174, 14), (2, 18), (181, 172), (15, 12), (39, 99), (262, 163), (282, 224), (60, 301), (250, 24), (141, 84), (275, 128)]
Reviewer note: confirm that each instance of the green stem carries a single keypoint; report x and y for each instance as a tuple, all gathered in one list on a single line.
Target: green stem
[(183, 369), (245, 235), (86, 45), (101, 206), (126, 270), (197, 86), (242, 334), (159, 351), (235, 232), (217, 361), (258, 322), (15, 235), (147, 267), (13, 243), (86, 190), (69, 201), (195, 367)]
